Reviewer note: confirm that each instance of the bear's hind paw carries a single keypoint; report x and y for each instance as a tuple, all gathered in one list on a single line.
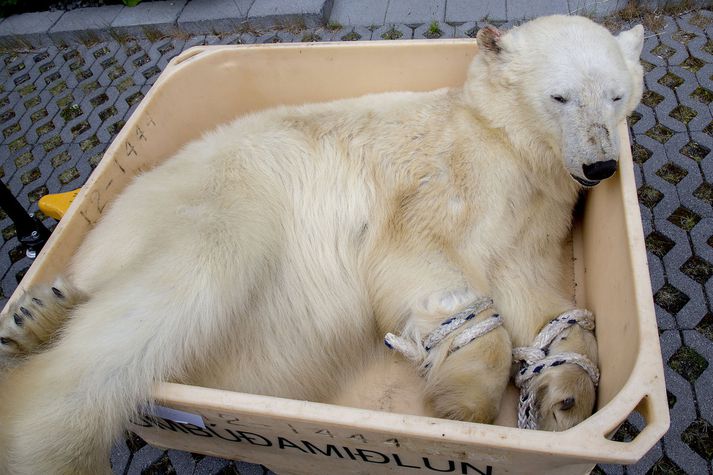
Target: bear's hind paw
[(35, 317)]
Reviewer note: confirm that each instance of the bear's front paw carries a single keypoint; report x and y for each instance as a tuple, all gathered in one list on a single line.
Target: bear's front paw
[(558, 374), (35, 317), (564, 397)]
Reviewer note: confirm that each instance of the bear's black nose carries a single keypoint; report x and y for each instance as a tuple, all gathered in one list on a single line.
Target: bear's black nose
[(599, 170)]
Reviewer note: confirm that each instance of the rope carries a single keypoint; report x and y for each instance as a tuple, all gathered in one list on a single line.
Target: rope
[(417, 351), (535, 360)]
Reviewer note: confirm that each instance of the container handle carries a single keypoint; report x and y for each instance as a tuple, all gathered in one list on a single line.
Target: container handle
[(649, 407), (186, 55)]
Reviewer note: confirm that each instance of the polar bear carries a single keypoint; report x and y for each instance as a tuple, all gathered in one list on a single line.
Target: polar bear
[(304, 234)]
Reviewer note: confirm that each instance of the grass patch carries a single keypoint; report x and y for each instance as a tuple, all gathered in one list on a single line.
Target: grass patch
[(52, 143), (23, 159), (649, 196), (69, 176), (71, 112), (683, 113), (30, 176), (704, 193), (695, 151), (703, 95), (311, 37), (392, 34), (89, 143), (684, 218), (672, 300), (658, 244), (434, 31), (351, 36), (672, 173), (17, 144), (697, 269), (660, 133), (153, 34)]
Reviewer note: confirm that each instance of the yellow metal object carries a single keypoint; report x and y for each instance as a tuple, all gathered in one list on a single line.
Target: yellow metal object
[(57, 204)]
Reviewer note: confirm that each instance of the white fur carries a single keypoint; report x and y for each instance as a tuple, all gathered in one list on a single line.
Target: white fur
[(273, 254)]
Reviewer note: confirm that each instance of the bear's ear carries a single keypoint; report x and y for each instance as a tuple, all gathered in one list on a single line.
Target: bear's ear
[(631, 42), (488, 39)]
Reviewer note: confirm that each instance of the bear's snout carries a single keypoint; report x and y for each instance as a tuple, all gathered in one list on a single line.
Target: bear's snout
[(599, 170)]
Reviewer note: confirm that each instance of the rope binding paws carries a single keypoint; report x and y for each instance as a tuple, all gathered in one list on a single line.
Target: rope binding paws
[(534, 360), (417, 350)]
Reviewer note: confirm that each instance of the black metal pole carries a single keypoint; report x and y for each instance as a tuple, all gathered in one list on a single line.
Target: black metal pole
[(31, 233)]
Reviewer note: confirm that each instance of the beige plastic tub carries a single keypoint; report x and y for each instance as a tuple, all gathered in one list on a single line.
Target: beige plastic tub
[(206, 86)]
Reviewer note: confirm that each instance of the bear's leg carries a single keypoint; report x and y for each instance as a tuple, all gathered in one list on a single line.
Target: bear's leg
[(413, 294), (61, 410), (531, 289), (35, 318)]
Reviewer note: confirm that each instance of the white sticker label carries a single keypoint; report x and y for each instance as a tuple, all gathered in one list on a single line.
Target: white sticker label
[(176, 416)]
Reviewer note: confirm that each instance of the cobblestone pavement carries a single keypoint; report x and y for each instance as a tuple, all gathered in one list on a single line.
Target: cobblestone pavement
[(60, 108)]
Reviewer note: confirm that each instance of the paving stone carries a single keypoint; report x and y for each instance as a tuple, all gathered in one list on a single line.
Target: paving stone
[(311, 13), (249, 468), (365, 13), (28, 28), (182, 462), (414, 12), (680, 52), (644, 465), (144, 458), (211, 465), (475, 10), (699, 235), (467, 30), (149, 16), (120, 453), (519, 9), (210, 16), (595, 8), (85, 23)]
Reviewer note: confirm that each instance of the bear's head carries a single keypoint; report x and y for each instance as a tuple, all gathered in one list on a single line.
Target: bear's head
[(566, 81)]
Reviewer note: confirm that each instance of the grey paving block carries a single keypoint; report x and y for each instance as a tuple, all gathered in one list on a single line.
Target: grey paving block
[(703, 75), (160, 16), (596, 8), (653, 52), (699, 235), (211, 16), (364, 13), (475, 10), (28, 27), (143, 459), (84, 23), (643, 466), (211, 465), (182, 462), (414, 12), (120, 455), (312, 13), (666, 39), (665, 110), (248, 468), (525, 9), (466, 30), (645, 119)]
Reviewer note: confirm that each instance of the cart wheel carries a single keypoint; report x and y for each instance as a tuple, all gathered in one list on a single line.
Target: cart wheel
[(56, 205)]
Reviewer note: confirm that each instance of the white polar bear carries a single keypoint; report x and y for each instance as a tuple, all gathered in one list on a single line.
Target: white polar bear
[(301, 235)]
